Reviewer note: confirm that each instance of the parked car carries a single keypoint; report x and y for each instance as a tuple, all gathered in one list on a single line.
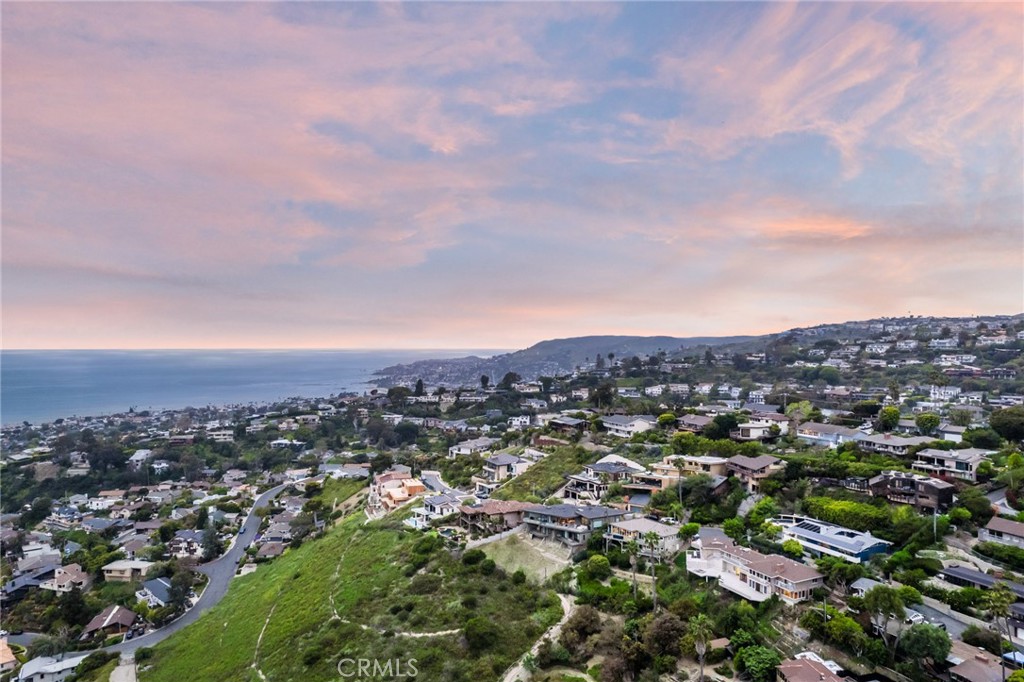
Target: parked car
[(913, 617)]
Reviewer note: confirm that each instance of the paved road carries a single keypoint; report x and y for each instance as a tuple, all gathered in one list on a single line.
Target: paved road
[(220, 572), (954, 627), (24, 639)]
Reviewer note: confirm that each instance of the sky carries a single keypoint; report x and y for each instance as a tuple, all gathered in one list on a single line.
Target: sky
[(488, 175)]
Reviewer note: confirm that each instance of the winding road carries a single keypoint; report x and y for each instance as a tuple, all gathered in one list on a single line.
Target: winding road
[(219, 572)]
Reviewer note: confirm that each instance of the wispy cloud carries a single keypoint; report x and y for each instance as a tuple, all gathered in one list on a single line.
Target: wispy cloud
[(495, 173)]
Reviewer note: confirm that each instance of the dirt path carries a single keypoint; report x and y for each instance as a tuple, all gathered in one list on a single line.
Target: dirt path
[(517, 672)]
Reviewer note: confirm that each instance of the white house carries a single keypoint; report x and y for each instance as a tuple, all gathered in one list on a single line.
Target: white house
[(625, 426)]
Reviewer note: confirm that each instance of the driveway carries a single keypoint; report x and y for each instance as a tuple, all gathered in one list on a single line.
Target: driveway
[(219, 571), (432, 479)]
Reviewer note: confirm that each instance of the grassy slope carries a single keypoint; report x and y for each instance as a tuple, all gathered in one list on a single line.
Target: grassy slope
[(303, 641), (544, 477)]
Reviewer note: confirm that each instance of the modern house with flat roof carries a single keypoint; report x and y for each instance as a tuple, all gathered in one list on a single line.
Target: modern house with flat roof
[(962, 464), (818, 538), (568, 524), (921, 492)]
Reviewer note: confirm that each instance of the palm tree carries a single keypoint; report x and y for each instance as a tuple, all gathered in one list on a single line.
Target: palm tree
[(998, 602), (700, 630), (633, 547), (680, 468), (651, 539)]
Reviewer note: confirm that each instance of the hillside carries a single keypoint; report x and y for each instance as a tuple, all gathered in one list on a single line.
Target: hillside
[(556, 357), (547, 358), (365, 590)]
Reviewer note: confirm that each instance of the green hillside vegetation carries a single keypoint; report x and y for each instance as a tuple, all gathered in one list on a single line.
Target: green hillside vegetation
[(357, 593), (546, 476)]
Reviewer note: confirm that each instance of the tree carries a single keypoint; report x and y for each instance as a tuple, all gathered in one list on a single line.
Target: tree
[(212, 546), (485, 381), (960, 417), (888, 418), (700, 631), (666, 420), (652, 540), (633, 549), (1009, 423), (793, 548), (72, 608), (927, 423), (998, 601), (509, 379), (924, 641), (687, 531), (603, 395), (481, 633), (759, 661), (598, 567), (884, 604), (734, 528), (181, 585), (418, 391)]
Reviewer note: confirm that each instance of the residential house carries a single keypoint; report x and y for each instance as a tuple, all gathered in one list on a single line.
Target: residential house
[(492, 516), (621, 533), (16, 588), (805, 670), (951, 432), (690, 465), (962, 464), (694, 423), (519, 421), (1003, 531), (156, 592), (139, 458), (568, 524), (186, 544), (752, 470), (861, 586), (113, 620), (752, 430), (8, 661), (943, 394), (568, 425), (943, 344), (391, 489), (496, 470), (919, 491), (596, 478), (471, 447), (818, 538), (982, 667), (434, 507), (964, 576), (829, 435), (49, 669), (888, 444), (750, 574), (126, 570), (626, 426), (68, 578)]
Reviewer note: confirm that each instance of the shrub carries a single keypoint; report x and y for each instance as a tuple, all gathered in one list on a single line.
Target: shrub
[(473, 557), (487, 566), (424, 584), (518, 578), (481, 633)]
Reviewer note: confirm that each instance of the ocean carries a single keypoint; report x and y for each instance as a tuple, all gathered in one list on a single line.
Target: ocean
[(40, 386)]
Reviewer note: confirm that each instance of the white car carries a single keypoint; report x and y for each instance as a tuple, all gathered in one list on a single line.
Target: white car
[(913, 617)]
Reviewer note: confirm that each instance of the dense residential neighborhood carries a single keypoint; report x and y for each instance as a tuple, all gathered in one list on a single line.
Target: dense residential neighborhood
[(760, 512)]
